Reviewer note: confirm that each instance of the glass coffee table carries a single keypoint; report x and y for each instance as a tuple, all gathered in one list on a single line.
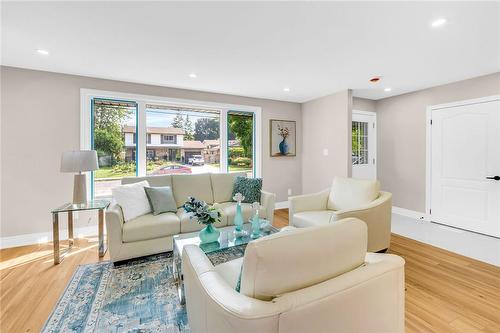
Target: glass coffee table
[(227, 240)]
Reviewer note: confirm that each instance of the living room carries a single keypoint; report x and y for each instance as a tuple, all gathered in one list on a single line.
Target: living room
[(250, 166)]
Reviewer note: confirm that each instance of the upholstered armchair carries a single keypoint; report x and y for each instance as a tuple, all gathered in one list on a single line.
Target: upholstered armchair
[(347, 197), (316, 279)]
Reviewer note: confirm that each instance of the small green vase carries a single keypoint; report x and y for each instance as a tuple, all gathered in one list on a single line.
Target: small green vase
[(209, 234)]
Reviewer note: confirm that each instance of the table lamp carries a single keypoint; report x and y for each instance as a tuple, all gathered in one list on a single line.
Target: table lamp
[(79, 161)]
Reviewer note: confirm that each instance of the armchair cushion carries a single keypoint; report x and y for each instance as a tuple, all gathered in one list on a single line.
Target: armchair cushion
[(288, 261), (230, 271), (348, 193), (312, 218)]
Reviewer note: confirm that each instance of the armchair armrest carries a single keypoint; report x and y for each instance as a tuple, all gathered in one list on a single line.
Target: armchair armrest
[(207, 293), (268, 200), (307, 202), (377, 216)]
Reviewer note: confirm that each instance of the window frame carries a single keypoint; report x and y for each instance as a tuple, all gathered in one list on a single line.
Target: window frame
[(86, 114)]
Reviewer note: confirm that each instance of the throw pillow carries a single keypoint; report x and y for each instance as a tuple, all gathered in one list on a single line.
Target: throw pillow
[(161, 199), (132, 199), (249, 187)]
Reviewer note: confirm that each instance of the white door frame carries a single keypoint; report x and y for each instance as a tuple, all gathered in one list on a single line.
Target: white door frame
[(373, 114), (428, 143)]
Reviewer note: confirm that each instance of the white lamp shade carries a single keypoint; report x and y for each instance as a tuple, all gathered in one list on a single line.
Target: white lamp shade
[(79, 160)]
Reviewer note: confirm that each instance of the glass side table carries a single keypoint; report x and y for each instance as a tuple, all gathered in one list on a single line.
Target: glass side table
[(69, 208)]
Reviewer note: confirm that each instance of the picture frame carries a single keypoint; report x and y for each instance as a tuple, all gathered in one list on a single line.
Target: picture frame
[(282, 138)]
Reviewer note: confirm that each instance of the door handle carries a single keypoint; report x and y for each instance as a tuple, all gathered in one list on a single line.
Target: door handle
[(495, 177)]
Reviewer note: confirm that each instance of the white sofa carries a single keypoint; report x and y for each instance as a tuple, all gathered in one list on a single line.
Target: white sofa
[(149, 234), (316, 279), (347, 197)]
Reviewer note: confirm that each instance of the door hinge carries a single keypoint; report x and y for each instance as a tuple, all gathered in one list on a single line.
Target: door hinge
[(430, 211), (373, 161), (431, 121), (373, 125)]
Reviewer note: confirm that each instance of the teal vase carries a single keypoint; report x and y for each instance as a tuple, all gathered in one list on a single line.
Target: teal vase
[(209, 234), (255, 226), (238, 218)]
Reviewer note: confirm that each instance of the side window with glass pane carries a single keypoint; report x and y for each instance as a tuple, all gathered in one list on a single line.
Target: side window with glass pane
[(359, 142), (114, 138), (240, 142)]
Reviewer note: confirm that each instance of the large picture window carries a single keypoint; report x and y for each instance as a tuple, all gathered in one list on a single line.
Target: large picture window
[(144, 135)]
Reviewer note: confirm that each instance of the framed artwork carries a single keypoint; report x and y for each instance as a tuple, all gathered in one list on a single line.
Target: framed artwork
[(283, 138)]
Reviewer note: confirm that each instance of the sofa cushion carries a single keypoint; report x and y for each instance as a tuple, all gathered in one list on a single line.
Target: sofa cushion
[(198, 186), (189, 224), (312, 218), (349, 193), (250, 188), (155, 181), (161, 199), (222, 185), (132, 199), (149, 226), (296, 259), (228, 210)]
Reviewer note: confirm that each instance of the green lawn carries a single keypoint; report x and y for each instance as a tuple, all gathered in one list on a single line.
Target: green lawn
[(109, 172)]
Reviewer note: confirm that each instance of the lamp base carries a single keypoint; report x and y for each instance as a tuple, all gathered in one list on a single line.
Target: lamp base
[(80, 189)]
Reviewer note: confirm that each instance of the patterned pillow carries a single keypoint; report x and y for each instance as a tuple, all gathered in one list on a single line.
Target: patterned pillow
[(249, 187)]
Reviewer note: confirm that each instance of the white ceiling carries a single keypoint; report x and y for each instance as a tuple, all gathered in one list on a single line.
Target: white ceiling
[(257, 49)]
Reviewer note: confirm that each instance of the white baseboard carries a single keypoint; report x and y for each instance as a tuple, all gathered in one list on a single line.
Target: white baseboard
[(409, 213), (44, 237), (281, 205)]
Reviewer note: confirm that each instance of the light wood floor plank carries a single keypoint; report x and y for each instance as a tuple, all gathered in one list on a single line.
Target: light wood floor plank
[(445, 292)]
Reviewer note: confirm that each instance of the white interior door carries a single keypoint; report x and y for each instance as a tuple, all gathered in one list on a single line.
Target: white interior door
[(465, 159), (364, 145)]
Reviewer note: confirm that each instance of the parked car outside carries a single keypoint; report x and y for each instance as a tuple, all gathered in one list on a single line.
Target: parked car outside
[(172, 169), (197, 160)]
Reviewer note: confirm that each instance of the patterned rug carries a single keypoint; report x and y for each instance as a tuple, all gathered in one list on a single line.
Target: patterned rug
[(138, 296)]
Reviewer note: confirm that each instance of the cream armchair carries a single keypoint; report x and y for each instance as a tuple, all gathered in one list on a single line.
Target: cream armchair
[(298, 281), (347, 197)]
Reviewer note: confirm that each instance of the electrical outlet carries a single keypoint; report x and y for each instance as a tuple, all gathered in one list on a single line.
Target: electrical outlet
[(289, 191)]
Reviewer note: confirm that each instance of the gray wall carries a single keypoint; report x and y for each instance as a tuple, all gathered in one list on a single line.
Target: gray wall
[(41, 119), (363, 104), (401, 135), (326, 124)]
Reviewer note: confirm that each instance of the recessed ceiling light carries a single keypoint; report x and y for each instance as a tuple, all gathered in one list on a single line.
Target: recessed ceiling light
[(387, 89), (439, 22), (193, 75), (42, 52), (286, 89)]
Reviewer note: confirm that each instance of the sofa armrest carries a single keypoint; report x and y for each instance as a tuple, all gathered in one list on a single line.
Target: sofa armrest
[(377, 216), (307, 202), (114, 227), (268, 201)]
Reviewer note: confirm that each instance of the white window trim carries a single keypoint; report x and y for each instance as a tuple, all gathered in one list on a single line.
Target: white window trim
[(85, 122)]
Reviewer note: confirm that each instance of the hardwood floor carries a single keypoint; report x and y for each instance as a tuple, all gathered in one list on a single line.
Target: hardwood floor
[(445, 292)]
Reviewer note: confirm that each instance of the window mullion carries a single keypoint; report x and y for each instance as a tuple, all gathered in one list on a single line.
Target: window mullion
[(223, 140), (141, 139)]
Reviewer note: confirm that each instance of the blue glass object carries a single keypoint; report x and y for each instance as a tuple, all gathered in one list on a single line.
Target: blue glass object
[(255, 225), (209, 234), (238, 218)]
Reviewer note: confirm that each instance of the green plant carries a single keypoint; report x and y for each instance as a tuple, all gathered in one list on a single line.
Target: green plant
[(241, 161), (205, 213)]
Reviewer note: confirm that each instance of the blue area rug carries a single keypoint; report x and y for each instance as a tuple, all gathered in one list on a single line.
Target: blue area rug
[(138, 296)]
